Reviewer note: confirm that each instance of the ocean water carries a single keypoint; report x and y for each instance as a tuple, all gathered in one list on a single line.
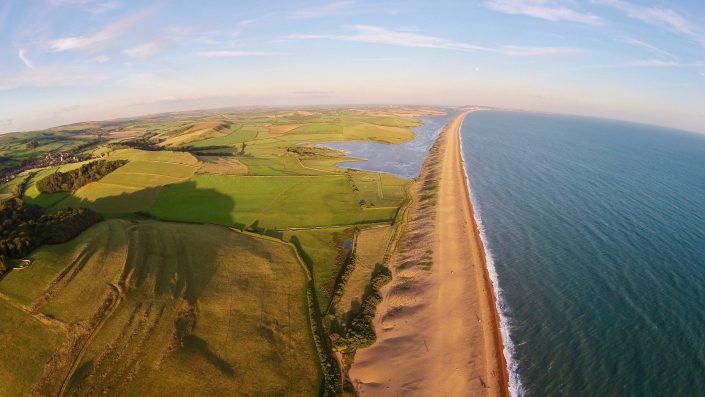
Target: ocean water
[(403, 160), (596, 232)]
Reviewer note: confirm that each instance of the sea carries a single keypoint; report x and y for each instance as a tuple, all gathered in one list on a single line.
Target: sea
[(595, 236)]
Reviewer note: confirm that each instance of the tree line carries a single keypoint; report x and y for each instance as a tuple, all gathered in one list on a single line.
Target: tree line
[(360, 332), (24, 227), (72, 180)]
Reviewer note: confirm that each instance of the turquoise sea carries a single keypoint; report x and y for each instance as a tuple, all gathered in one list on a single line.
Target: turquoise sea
[(595, 231)]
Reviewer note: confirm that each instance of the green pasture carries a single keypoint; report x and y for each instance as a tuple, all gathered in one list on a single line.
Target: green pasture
[(274, 202)]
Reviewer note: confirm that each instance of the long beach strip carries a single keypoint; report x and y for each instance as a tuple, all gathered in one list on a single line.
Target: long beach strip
[(437, 327)]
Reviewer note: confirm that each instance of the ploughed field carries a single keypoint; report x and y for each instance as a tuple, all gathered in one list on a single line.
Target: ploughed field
[(233, 247)]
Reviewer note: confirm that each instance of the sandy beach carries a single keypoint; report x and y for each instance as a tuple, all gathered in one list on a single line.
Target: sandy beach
[(437, 327)]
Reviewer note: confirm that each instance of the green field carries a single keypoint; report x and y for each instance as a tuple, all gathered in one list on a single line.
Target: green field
[(134, 186), (274, 202), (371, 245), (158, 306)]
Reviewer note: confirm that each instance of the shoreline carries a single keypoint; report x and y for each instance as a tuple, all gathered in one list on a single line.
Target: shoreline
[(429, 340), (490, 284), (505, 347)]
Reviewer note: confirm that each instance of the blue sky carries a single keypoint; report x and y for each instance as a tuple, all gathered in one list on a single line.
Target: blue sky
[(65, 61)]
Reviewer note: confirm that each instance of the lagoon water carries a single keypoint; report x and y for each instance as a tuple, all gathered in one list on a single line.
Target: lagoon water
[(596, 231), (402, 160)]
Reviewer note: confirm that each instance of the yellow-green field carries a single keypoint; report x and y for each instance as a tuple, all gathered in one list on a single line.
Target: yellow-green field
[(273, 202), (134, 186), (370, 247), (139, 308)]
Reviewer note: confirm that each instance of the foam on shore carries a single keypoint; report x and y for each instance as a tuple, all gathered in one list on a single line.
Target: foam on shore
[(515, 387)]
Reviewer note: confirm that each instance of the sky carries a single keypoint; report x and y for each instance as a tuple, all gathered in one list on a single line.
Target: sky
[(64, 61)]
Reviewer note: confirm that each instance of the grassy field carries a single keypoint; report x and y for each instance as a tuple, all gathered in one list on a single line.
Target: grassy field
[(326, 250), (25, 345), (134, 186), (274, 202), (239, 135), (370, 248), (153, 306)]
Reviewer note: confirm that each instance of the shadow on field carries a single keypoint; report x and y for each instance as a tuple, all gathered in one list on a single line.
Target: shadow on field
[(167, 268), (125, 203), (185, 202)]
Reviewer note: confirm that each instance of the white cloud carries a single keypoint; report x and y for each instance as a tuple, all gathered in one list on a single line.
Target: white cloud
[(23, 57), (334, 8), (101, 59), (228, 54), (659, 16), (105, 34), (552, 10), (642, 44), (380, 35), (5, 123)]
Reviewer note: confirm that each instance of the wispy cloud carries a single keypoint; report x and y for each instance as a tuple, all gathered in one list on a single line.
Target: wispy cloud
[(68, 2), (552, 10), (105, 34), (23, 57), (650, 63), (102, 8), (5, 122), (51, 76), (241, 26), (658, 16), (167, 38), (334, 8), (518, 51), (66, 109), (233, 54), (380, 35), (645, 45), (658, 63), (142, 51)]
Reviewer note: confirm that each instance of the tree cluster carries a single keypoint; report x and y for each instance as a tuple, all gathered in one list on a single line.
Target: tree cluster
[(74, 179), (360, 332), (24, 227)]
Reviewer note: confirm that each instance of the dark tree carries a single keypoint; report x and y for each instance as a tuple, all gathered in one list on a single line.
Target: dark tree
[(72, 180), (24, 227)]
